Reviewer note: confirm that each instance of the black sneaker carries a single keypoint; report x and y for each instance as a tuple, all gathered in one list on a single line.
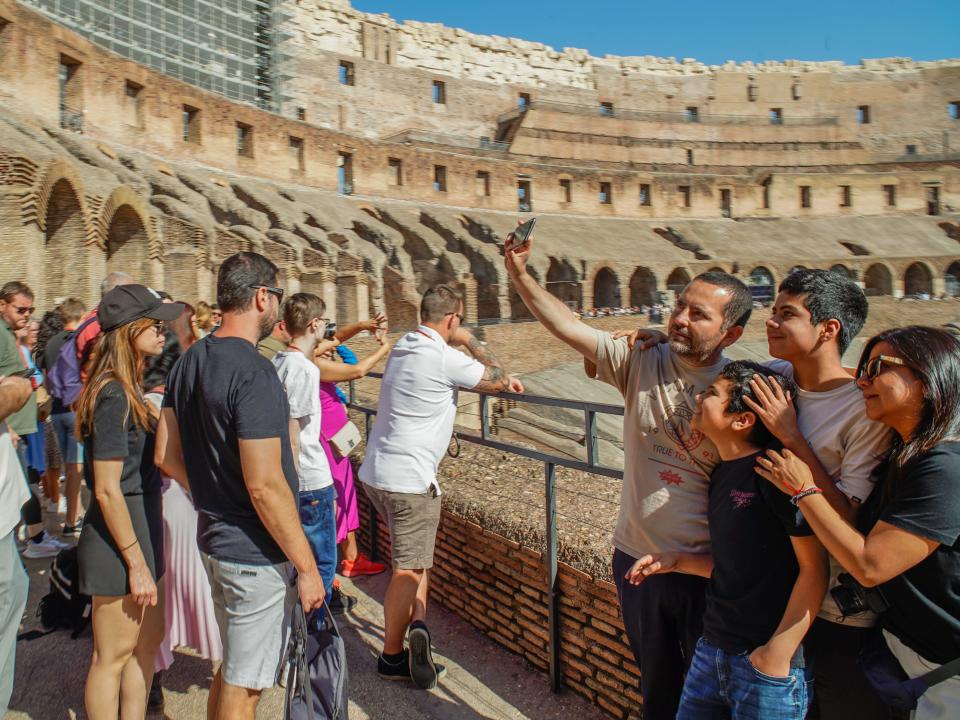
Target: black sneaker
[(155, 697), (72, 530), (340, 603), (423, 671), (398, 670), (401, 670)]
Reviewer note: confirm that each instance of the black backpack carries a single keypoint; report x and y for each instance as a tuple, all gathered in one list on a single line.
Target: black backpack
[(64, 606)]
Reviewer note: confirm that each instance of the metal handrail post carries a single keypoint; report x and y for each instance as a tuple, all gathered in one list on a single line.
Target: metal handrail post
[(553, 587), (484, 419), (590, 436), (372, 528)]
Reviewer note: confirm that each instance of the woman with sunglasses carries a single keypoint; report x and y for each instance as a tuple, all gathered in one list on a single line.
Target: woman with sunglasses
[(905, 552), (121, 546)]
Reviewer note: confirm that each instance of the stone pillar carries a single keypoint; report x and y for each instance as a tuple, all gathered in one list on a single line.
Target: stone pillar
[(291, 279), (155, 272), (329, 294), (468, 289), (939, 285), (347, 297), (363, 298)]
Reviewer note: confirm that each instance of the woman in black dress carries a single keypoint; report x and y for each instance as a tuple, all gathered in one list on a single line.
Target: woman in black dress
[(121, 545)]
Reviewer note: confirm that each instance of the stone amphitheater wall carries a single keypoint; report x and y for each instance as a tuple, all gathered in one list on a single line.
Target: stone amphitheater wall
[(121, 102)]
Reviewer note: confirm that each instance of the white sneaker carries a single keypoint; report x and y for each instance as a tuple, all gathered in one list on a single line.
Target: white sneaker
[(48, 547)]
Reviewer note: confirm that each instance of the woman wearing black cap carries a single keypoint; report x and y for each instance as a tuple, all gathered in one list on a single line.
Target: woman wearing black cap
[(121, 545)]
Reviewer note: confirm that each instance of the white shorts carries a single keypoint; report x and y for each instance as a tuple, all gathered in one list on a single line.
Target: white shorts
[(253, 605)]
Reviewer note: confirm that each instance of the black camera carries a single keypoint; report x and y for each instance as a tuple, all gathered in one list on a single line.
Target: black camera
[(853, 598), (330, 331)]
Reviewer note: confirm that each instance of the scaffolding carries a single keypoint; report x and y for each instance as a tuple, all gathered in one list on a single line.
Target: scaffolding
[(229, 47)]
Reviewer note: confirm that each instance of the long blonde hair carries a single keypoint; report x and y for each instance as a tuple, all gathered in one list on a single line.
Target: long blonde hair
[(116, 359)]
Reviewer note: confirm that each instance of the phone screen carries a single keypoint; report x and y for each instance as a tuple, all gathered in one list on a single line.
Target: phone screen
[(522, 233)]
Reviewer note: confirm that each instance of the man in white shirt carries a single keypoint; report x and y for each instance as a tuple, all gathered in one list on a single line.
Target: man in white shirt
[(14, 393), (302, 319), (415, 416), (667, 463)]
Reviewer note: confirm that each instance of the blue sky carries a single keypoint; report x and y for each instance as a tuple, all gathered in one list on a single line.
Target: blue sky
[(711, 31)]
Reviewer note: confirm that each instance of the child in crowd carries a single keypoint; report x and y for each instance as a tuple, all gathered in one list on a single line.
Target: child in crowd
[(768, 573), (301, 380)]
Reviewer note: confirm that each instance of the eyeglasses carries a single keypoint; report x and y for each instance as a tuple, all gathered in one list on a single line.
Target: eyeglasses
[(24, 310), (458, 315), (874, 366), (272, 290), (159, 326)]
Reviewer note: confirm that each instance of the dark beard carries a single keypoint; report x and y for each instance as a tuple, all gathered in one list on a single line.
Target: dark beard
[(267, 323)]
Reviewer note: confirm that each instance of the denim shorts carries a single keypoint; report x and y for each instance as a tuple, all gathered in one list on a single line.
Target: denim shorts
[(320, 526), (721, 685), (71, 449), (253, 605)]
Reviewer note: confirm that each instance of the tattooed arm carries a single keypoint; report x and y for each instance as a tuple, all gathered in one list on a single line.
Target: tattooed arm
[(495, 377)]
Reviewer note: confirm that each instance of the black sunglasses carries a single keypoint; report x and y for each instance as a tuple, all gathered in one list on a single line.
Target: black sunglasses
[(459, 315), (872, 368), (272, 290)]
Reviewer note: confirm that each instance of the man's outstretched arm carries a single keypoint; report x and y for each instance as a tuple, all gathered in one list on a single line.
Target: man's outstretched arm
[(550, 311)]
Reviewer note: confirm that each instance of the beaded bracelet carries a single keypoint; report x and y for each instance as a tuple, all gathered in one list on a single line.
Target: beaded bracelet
[(797, 497)]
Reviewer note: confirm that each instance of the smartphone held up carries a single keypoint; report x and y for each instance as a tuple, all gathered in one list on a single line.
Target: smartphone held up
[(521, 236)]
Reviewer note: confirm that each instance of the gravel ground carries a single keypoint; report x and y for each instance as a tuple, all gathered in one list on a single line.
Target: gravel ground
[(505, 493)]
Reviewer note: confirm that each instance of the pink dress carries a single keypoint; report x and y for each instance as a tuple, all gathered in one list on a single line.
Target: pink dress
[(188, 610), (333, 416)]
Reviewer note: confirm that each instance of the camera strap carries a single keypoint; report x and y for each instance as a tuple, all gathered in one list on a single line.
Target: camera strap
[(944, 672)]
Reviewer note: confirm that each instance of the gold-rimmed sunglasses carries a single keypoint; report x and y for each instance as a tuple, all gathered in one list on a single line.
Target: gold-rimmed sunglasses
[(874, 366)]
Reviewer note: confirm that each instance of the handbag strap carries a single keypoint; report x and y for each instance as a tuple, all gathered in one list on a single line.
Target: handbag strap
[(944, 672)]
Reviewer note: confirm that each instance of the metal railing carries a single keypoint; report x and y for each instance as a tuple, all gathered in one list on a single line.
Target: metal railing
[(432, 138), (550, 463), (702, 118)]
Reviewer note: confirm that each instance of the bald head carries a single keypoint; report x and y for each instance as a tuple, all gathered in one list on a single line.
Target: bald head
[(114, 279)]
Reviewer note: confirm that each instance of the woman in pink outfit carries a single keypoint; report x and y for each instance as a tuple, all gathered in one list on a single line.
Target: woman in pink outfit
[(189, 616), (332, 418)]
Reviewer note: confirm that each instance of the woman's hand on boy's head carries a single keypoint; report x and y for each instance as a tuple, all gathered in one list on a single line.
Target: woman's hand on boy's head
[(651, 565), (774, 408), (787, 471)]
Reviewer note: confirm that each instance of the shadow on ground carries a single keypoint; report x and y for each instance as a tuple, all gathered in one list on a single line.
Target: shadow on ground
[(483, 681)]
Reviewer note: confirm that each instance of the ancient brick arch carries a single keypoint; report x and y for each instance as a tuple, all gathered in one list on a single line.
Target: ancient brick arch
[(677, 279), (563, 281), (842, 269), (951, 279), (67, 262), (35, 203), (918, 279), (643, 287), (762, 283), (878, 280), (127, 244), (120, 198), (606, 288)]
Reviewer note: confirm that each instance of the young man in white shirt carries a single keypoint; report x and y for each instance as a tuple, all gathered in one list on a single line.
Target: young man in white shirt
[(302, 318), (415, 416), (816, 315)]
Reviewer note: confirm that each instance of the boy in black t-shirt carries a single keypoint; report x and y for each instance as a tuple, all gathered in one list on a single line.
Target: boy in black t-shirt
[(767, 571)]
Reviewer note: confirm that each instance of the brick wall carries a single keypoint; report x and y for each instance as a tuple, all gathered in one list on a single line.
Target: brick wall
[(499, 586)]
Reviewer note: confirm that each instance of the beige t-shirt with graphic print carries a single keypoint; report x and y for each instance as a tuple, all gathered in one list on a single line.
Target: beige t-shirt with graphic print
[(667, 465)]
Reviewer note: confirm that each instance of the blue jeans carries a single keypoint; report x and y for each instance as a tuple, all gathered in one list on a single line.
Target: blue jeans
[(719, 685), (320, 527)]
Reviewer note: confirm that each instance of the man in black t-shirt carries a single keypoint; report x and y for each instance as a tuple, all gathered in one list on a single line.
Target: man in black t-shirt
[(223, 430), (768, 573)]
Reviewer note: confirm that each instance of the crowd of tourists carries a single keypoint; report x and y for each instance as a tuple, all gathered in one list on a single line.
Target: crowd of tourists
[(788, 542)]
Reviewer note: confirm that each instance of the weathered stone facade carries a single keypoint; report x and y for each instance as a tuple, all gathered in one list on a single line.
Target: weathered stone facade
[(164, 180)]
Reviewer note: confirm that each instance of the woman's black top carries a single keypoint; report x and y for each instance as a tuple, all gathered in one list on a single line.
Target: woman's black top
[(925, 600)]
